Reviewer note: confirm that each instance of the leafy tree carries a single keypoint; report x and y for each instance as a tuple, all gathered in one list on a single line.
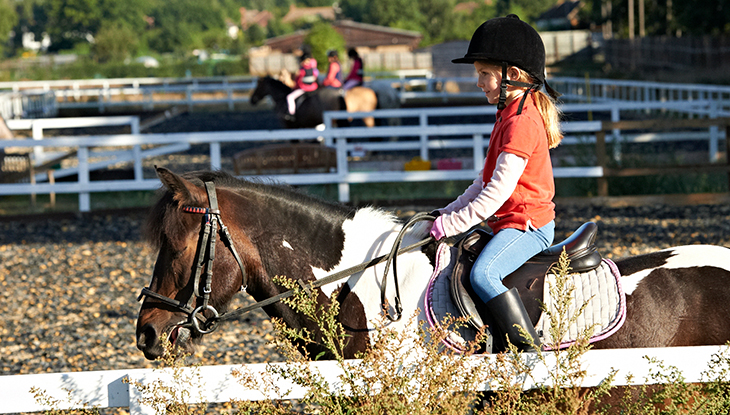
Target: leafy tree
[(255, 35), (437, 20), (277, 28), (130, 13), (72, 21), (393, 13), (114, 43), (700, 17), (466, 23), (317, 3), (8, 19), (322, 38), (528, 10), (355, 9), (179, 24)]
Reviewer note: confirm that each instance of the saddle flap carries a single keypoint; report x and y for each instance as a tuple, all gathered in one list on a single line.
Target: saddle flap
[(462, 293)]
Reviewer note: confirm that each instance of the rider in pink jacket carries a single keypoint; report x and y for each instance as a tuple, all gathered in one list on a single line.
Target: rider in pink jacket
[(306, 80), (357, 71)]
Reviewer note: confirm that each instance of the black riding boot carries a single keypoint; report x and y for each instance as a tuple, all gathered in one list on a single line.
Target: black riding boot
[(508, 311)]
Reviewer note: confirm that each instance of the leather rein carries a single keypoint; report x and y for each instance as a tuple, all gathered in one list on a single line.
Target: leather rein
[(206, 250)]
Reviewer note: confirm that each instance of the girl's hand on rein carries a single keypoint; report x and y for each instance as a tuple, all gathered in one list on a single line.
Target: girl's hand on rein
[(437, 229)]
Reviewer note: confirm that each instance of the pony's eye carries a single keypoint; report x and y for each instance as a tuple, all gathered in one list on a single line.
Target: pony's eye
[(177, 253)]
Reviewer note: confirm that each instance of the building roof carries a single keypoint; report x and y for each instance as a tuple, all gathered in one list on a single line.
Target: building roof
[(355, 35), (252, 17), (470, 6), (296, 13)]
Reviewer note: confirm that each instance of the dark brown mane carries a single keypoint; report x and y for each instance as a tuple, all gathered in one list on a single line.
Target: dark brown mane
[(164, 214)]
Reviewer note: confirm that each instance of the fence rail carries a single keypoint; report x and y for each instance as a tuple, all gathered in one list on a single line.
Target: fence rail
[(424, 138), (116, 388), (150, 93)]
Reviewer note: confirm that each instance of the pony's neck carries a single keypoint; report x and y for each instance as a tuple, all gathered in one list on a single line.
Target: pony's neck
[(298, 227), (279, 89)]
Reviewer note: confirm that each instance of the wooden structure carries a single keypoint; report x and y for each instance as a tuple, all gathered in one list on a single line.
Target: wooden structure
[(16, 168), (296, 158), (658, 125), (361, 36)]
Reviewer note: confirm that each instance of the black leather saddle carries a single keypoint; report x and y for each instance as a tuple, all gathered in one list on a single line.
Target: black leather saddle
[(528, 279)]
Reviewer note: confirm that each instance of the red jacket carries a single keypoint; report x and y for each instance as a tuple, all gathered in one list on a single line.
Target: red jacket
[(357, 72), (523, 135), (334, 76), (306, 78)]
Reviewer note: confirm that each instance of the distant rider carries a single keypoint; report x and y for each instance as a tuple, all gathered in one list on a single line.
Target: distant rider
[(357, 71), (334, 71), (306, 81)]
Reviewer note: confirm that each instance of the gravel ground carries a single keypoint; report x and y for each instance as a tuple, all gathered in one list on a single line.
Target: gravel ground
[(69, 284)]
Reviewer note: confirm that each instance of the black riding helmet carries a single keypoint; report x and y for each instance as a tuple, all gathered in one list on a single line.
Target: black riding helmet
[(510, 42)]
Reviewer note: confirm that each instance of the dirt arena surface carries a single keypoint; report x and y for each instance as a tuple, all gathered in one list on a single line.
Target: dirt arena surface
[(70, 283)]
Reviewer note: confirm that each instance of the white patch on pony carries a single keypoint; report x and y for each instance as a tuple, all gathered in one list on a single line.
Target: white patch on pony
[(286, 244), (370, 234), (683, 257)]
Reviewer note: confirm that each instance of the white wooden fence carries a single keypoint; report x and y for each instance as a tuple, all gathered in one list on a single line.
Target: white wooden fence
[(423, 138), (116, 388), (150, 93)]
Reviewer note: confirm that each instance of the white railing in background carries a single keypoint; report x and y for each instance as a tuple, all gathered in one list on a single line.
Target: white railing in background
[(29, 104), (103, 158), (220, 384), (150, 93), (603, 90), (422, 138)]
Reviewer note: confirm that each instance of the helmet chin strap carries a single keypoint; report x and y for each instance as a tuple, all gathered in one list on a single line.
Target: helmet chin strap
[(503, 90)]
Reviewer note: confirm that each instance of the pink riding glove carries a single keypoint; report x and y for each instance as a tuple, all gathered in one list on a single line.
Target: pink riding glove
[(437, 229)]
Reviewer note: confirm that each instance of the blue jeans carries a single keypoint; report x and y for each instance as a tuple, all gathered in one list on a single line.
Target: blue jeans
[(506, 251)]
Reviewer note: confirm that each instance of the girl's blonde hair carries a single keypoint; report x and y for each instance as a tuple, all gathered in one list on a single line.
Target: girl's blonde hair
[(548, 110), (546, 105)]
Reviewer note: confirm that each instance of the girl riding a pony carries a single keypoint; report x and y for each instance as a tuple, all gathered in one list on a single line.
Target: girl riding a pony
[(357, 71), (306, 81), (514, 191), (334, 71)]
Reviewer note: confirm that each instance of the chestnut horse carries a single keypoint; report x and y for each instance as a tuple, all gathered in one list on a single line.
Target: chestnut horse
[(675, 297)]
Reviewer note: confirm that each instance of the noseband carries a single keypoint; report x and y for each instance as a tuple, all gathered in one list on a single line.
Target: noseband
[(206, 250)]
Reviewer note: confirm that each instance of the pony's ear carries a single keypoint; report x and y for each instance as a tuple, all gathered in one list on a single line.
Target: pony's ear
[(183, 191)]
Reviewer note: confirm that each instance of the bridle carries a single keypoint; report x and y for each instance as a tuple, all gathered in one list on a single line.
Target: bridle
[(206, 250)]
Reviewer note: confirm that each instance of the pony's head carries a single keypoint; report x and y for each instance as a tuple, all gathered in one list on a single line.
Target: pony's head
[(267, 85), (199, 266)]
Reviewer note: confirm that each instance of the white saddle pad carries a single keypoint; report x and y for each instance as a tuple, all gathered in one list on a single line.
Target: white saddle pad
[(599, 289)]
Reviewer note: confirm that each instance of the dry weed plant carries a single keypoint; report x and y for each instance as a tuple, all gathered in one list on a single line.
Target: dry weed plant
[(169, 395), (43, 398), (400, 376)]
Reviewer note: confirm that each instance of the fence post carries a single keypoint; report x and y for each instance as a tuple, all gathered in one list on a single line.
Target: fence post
[(478, 152), (83, 179), (727, 151), (601, 162), (616, 139), (215, 156), (423, 119), (37, 133), (714, 134), (137, 151), (189, 97), (343, 188)]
